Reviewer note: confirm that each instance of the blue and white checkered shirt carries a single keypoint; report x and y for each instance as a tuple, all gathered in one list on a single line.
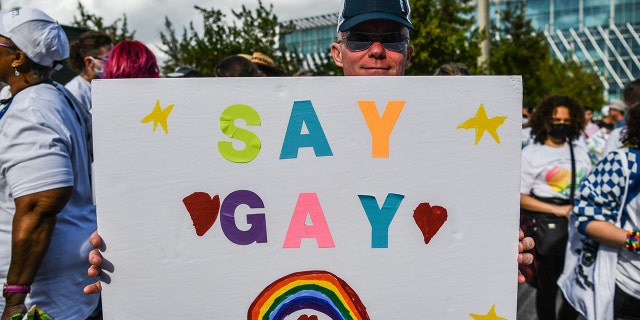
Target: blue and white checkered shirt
[(601, 192)]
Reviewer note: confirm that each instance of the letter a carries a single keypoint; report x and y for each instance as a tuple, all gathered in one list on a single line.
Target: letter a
[(308, 204), (303, 112)]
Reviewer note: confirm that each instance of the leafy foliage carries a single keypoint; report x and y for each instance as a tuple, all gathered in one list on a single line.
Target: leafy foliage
[(250, 31), (118, 30), (520, 50), (443, 33)]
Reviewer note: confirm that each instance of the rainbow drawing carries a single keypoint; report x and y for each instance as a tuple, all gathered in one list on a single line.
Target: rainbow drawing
[(316, 290)]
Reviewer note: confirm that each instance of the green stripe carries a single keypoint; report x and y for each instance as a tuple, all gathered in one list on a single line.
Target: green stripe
[(311, 287)]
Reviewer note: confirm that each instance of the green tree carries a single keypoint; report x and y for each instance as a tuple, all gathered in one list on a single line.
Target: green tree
[(250, 31), (444, 32), (118, 30), (572, 79), (325, 63), (518, 49)]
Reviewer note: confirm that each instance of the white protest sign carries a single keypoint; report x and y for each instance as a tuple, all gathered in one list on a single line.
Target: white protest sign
[(309, 198)]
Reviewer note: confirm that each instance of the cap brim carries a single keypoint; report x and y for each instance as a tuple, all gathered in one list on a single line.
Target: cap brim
[(353, 21), (266, 67)]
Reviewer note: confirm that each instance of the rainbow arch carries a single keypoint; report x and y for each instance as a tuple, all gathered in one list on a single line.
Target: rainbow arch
[(316, 290)]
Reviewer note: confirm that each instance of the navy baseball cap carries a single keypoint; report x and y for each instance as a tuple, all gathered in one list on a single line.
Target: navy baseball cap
[(357, 11)]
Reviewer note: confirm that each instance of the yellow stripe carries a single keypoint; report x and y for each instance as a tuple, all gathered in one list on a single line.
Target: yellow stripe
[(293, 284)]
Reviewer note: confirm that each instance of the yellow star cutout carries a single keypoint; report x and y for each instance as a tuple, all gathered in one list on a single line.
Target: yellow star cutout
[(481, 123), (491, 315), (158, 115)]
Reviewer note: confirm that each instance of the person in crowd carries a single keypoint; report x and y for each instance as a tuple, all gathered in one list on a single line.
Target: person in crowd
[(266, 65), (526, 128), (373, 39), (597, 208), (631, 97), (526, 112), (237, 66), (590, 127), (617, 108), (546, 186), (597, 142), (593, 136), (131, 59), (452, 69), (604, 120), (185, 72), (46, 206), (87, 57)]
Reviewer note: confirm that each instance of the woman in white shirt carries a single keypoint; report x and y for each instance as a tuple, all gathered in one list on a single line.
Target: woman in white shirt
[(545, 190)]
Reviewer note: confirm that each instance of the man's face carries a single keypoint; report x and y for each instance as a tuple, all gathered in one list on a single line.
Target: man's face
[(95, 63), (375, 60), (616, 115)]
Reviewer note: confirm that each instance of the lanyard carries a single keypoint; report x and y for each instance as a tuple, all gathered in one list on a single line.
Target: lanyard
[(6, 107)]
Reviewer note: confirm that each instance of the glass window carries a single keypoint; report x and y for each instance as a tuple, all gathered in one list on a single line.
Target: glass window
[(538, 12), (567, 18), (627, 12), (596, 13)]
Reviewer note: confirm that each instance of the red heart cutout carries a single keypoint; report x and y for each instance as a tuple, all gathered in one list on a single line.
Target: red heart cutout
[(429, 219), (203, 210), (306, 317)]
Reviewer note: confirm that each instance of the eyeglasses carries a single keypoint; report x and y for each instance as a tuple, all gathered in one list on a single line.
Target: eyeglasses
[(394, 41), (105, 58), (8, 46)]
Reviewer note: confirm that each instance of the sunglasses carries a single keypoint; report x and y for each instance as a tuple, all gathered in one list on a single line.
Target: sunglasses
[(105, 59), (394, 41)]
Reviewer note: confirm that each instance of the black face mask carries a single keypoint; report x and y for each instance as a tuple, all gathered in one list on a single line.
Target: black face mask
[(560, 131)]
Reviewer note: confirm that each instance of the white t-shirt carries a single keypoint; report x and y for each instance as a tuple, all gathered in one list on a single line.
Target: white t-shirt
[(546, 171), (613, 142), (628, 268), (81, 89), (43, 147)]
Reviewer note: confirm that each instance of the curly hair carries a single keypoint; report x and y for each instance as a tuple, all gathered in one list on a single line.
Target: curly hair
[(631, 134), (542, 117), (89, 43), (131, 59)]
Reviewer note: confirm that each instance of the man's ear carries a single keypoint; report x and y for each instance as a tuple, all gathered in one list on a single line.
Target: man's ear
[(408, 59), (336, 53), (88, 62)]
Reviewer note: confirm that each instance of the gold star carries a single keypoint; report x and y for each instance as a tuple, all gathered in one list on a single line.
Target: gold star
[(158, 116), (481, 123), (491, 315)]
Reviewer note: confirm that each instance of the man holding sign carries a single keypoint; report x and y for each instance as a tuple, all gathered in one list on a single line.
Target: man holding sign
[(372, 41)]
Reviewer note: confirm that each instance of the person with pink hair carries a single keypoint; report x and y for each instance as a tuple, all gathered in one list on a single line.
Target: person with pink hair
[(131, 59)]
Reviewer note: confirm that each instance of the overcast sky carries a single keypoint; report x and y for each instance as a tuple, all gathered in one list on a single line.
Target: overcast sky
[(146, 17)]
